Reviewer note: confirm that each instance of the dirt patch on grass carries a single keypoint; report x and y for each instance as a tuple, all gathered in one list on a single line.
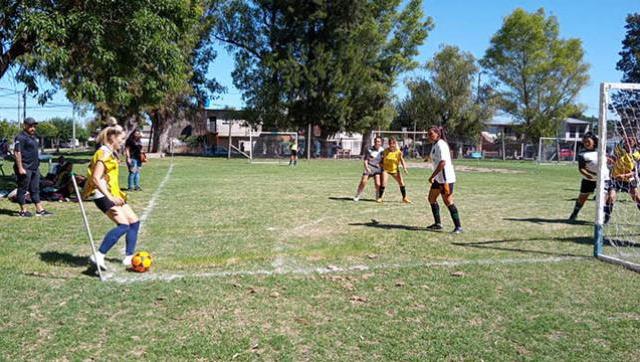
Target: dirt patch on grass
[(463, 168)]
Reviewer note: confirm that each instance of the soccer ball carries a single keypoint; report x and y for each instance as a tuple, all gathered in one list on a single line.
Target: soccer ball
[(141, 262)]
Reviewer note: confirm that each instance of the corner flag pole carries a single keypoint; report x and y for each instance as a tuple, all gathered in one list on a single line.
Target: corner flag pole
[(86, 224)]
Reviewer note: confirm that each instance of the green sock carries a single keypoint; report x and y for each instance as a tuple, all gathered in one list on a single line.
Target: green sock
[(454, 215)]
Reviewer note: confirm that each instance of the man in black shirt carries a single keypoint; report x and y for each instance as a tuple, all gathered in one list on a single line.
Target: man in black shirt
[(26, 168)]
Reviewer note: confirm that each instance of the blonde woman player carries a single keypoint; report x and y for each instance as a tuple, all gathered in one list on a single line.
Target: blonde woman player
[(391, 159), (103, 188), (442, 179), (371, 168)]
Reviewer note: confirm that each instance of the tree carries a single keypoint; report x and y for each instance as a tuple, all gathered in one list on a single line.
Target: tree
[(329, 63), (629, 64), (9, 130), (446, 97), (47, 131), (539, 74)]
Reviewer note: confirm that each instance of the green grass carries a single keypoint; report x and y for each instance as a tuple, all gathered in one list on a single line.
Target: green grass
[(215, 216)]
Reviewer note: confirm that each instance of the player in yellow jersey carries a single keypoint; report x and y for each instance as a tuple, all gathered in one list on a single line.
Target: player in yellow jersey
[(104, 189), (624, 174), (293, 148), (391, 159)]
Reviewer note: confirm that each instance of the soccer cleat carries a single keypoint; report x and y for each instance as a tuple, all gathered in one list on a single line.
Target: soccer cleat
[(24, 214), (127, 261), (356, 198), (406, 200), (457, 230), (43, 212), (434, 226), (379, 200), (100, 260)]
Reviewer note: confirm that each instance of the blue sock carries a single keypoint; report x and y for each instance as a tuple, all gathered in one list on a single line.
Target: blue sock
[(112, 237), (132, 237)]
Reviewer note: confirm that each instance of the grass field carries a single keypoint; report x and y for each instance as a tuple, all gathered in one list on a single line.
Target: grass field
[(276, 263)]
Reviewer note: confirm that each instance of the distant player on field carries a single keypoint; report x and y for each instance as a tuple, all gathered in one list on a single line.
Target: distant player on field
[(391, 159), (442, 179), (588, 167), (624, 174), (371, 168), (293, 148)]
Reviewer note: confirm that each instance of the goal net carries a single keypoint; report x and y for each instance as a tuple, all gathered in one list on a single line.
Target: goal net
[(617, 230), (272, 147), (551, 149)]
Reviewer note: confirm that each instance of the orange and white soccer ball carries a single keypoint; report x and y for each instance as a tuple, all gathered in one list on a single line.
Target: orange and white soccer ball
[(141, 262)]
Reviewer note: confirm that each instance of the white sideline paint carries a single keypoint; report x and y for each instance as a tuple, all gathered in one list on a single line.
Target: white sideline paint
[(334, 269), (154, 197)]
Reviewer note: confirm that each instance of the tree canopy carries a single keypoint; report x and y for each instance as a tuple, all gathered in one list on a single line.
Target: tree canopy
[(629, 63), (540, 74)]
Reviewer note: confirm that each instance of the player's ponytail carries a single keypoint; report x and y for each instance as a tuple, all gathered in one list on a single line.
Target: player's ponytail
[(112, 129)]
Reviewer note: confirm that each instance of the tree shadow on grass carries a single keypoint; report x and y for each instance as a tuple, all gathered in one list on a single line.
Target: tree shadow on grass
[(491, 244), (540, 221), (376, 224)]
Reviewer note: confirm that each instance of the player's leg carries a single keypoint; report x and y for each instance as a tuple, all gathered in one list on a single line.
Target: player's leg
[(611, 200), (383, 185), (361, 186), (132, 233), (434, 192), (587, 187), (377, 181), (446, 190), (400, 180)]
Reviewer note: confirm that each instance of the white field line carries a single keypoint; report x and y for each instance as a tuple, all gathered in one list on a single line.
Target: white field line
[(334, 269), (152, 203)]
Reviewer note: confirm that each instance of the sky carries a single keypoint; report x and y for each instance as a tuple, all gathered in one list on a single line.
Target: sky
[(468, 24)]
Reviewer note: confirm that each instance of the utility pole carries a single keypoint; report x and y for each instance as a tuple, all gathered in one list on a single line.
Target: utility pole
[(73, 116), (24, 104)]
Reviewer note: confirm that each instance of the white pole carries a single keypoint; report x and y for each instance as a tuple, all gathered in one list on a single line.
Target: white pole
[(229, 145), (73, 141), (602, 169), (86, 225)]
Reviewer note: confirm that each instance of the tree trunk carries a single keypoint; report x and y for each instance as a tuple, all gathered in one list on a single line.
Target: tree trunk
[(160, 130), (366, 142)]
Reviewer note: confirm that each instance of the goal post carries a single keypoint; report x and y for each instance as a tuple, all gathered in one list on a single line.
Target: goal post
[(617, 228), (271, 147), (554, 149), (413, 142)]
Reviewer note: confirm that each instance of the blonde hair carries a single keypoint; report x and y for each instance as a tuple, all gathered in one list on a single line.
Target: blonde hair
[(105, 134)]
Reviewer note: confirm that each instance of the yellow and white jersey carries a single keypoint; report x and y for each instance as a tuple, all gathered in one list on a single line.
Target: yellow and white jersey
[(625, 162), (110, 178)]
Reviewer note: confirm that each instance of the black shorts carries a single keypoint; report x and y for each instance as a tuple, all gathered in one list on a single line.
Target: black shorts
[(587, 186), (104, 204), (294, 153), (373, 171), (438, 186), (624, 186)]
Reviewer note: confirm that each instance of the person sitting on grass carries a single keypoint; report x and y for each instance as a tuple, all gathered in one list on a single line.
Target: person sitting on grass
[(391, 159), (442, 179), (103, 188)]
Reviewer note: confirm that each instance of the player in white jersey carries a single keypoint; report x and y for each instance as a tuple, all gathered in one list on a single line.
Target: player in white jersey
[(372, 168), (442, 180), (588, 168)]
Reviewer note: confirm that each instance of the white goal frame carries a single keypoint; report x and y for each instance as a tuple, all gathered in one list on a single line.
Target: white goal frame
[(574, 149), (253, 137), (598, 250)]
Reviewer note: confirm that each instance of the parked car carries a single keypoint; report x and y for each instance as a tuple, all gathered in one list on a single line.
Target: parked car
[(221, 151), (566, 154)]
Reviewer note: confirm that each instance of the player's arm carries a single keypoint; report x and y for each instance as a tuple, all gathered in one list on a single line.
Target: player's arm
[(439, 168), (17, 152), (98, 173), (404, 164)]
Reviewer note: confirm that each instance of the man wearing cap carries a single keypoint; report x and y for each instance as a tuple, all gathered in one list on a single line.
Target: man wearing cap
[(26, 168)]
